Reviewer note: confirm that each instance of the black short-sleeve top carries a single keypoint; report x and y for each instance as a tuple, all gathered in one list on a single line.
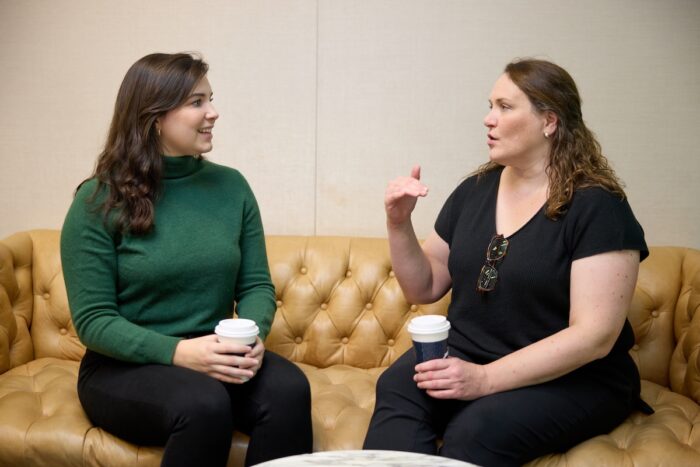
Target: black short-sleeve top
[(531, 298)]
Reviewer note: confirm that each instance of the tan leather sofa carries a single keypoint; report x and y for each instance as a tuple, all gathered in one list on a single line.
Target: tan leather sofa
[(341, 317)]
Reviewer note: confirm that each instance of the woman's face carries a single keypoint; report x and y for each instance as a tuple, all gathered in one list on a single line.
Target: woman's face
[(187, 129), (515, 129)]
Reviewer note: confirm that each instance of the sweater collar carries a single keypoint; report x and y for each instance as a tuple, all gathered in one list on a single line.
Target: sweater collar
[(182, 166)]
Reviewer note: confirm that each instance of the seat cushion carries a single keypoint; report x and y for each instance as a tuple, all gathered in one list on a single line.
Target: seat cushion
[(342, 404), (669, 437), (43, 423)]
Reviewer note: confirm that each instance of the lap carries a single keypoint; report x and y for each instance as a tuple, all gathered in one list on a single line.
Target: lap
[(523, 423), (117, 394), (536, 420)]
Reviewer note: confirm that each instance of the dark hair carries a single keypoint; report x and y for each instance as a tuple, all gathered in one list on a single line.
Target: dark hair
[(130, 165), (576, 159)]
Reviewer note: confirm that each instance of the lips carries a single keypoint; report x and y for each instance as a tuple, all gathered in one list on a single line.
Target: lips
[(205, 130)]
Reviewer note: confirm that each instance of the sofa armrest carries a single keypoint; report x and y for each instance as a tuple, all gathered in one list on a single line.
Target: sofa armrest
[(685, 362), (15, 301)]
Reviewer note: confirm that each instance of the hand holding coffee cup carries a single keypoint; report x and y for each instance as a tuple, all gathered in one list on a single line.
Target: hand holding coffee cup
[(429, 334), (238, 331)]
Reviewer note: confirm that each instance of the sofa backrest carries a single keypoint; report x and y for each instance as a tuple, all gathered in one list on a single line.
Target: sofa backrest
[(34, 318), (665, 318), (665, 314), (338, 302)]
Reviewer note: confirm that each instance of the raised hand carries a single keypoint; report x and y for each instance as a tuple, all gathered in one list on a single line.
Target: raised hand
[(401, 196)]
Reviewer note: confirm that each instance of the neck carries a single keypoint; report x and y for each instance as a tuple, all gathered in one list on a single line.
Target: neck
[(527, 177)]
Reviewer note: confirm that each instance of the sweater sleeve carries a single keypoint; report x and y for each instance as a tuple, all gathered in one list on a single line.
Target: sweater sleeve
[(255, 294), (89, 260)]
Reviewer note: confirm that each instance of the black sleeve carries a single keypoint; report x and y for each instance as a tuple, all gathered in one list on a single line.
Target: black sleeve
[(444, 220), (599, 221), (452, 209)]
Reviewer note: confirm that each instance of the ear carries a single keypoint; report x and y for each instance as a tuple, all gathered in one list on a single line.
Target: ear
[(551, 123)]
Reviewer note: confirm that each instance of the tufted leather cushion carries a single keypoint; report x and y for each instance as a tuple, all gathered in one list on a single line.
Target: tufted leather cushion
[(338, 302), (342, 318)]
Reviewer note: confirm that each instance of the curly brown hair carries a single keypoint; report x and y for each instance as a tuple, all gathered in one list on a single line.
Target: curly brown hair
[(576, 159), (129, 168)]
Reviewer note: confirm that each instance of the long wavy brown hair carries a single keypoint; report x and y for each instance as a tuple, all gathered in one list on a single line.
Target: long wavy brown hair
[(130, 166), (576, 159)]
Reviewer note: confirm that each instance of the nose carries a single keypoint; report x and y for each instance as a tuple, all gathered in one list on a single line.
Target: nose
[(212, 114), (490, 119)]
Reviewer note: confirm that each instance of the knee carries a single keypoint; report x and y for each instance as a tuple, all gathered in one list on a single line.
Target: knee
[(482, 438), (398, 378), (209, 407), (284, 385)]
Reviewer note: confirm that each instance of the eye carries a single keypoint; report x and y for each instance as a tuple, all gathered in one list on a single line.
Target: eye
[(197, 102), (505, 107)]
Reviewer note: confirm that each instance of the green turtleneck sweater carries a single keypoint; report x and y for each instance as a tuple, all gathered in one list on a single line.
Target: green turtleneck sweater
[(134, 297)]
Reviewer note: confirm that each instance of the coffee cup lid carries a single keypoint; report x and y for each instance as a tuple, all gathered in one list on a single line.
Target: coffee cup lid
[(428, 324), (239, 327)]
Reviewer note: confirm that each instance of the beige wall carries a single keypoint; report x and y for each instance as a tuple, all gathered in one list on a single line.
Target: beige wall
[(323, 101)]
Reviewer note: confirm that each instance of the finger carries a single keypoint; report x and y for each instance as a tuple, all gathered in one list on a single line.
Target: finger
[(442, 393), (248, 363), (229, 348), (413, 189), (231, 371), (415, 172), (433, 365)]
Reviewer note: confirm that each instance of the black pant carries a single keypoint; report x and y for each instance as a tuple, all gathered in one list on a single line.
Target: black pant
[(505, 429), (194, 415)]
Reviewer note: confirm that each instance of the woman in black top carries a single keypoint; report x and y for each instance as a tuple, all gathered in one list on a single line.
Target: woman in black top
[(541, 251)]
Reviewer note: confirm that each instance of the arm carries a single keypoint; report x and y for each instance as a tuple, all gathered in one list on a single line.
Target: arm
[(255, 293), (601, 291), (89, 262), (421, 271)]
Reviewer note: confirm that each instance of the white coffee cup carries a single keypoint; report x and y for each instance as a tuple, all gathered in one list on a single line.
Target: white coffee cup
[(237, 331), (429, 334)]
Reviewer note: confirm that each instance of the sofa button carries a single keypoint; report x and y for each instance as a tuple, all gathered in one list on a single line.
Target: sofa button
[(279, 303), (324, 306), (635, 347), (298, 340), (63, 331), (344, 340), (348, 274), (414, 307), (46, 295), (391, 274), (390, 342), (303, 270), (368, 306), (655, 313)]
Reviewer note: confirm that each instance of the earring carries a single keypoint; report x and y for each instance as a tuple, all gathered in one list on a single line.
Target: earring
[(546, 135), (158, 130)]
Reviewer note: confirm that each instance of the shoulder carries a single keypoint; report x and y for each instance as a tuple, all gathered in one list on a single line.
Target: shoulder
[(599, 220), (226, 178), (89, 196), (477, 183), (597, 200), (223, 171)]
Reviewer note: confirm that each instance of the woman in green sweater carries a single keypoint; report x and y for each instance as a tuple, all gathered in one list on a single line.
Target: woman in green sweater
[(157, 247)]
